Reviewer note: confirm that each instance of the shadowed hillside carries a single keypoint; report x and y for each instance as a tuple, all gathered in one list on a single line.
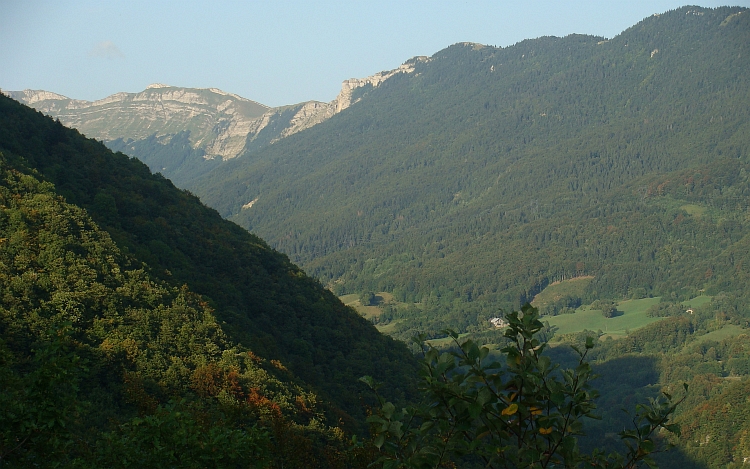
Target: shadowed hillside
[(261, 299)]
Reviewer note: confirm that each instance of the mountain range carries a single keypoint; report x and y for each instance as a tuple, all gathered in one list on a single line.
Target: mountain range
[(469, 180), (486, 174), (185, 132), (454, 188)]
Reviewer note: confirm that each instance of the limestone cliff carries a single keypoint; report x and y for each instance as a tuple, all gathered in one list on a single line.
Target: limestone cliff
[(312, 113), (218, 125), (218, 122)]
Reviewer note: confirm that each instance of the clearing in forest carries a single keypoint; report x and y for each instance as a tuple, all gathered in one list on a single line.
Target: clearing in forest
[(632, 315), (573, 287)]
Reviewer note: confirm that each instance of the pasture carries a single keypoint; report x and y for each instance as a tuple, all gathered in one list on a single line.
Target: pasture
[(633, 317)]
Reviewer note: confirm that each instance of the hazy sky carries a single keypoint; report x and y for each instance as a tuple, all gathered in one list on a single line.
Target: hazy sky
[(273, 52)]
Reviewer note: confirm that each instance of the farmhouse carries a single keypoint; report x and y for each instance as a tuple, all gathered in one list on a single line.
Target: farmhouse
[(499, 323)]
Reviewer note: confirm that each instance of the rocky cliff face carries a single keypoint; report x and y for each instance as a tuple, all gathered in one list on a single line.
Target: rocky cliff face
[(220, 125), (218, 122), (308, 114), (344, 99)]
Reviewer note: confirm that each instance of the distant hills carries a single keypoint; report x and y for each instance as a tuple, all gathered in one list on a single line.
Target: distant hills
[(488, 173), (217, 122), (185, 132)]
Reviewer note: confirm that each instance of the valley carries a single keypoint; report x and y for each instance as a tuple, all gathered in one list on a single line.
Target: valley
[(603, 181)]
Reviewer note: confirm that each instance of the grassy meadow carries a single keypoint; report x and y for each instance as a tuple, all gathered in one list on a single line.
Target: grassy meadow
[(633, 317), (369, 312), (556, 290), (632, 314)]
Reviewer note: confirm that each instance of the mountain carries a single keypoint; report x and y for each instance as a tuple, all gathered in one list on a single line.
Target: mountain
[(252, 296), (218, 122), (488, 173), (185, 132), (469, 184)]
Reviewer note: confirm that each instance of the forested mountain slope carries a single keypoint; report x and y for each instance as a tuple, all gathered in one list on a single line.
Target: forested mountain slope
[(101, 365), (261, 301), (488, 173)]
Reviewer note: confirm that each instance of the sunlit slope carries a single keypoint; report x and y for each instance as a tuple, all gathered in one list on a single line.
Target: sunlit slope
[(260, 298)]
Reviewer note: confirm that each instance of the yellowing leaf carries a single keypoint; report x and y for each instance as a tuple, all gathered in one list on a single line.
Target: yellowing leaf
[(535, 411), (510, 410), (545, 431)]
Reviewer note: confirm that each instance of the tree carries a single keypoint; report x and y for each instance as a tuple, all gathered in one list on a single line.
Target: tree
[(367, 298), (607, 307), (39, 401), (524, 412)]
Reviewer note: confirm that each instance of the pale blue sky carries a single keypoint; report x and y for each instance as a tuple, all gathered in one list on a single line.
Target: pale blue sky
[(272, 52)]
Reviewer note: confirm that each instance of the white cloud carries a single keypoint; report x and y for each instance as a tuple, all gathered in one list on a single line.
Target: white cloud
[(106, 50)]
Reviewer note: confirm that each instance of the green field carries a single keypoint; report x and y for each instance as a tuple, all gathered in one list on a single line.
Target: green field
[(445, 340), (554, 291), (633, 317), (694, 210), (373, 311), (388, 328), (367, 311), (634, 313), (697, 301), (730, 330)]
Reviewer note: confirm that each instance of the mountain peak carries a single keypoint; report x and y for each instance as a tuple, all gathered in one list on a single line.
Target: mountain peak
[(34, 96)]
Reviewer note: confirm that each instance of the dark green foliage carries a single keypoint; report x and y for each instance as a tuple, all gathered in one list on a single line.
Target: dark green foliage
[(608, 308), (367, 299), (564, 305), (173, 437), (261, 300), (662, 310), (521, 412), (102, 365), (38, 398)]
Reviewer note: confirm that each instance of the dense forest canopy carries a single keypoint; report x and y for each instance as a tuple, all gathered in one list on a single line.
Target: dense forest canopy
[(146, 253), (488, 173)]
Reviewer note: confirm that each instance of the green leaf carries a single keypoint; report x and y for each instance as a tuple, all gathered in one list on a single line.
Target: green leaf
[(388, 409), (475, 409)]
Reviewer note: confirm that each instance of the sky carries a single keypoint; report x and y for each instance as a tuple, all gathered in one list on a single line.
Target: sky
[(272, 52)]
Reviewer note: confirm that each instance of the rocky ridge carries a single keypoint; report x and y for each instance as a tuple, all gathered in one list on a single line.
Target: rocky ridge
[(222, 125), (218, 122)]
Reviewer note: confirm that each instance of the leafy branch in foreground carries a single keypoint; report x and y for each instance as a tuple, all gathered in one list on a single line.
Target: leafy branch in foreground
[(525, 412)]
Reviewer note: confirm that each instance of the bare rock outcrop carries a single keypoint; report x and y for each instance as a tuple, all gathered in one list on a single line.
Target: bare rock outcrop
[(220, 123)]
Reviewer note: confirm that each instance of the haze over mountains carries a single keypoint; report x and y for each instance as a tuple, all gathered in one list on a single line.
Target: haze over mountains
[(457, 186)]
